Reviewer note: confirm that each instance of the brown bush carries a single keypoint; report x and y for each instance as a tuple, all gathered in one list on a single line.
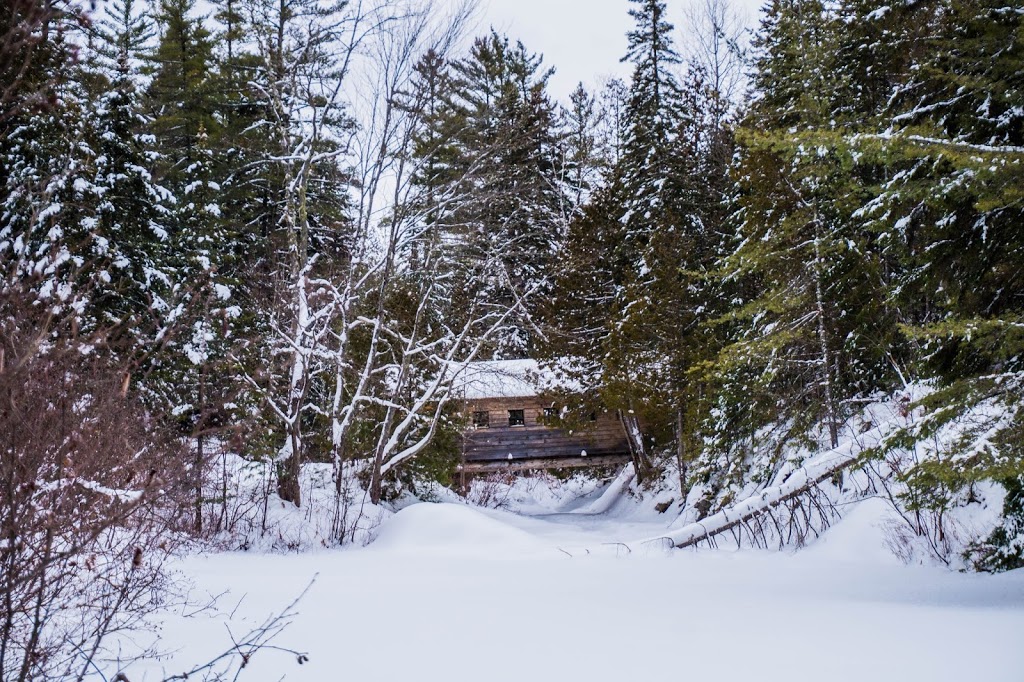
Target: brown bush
[(90, 494)]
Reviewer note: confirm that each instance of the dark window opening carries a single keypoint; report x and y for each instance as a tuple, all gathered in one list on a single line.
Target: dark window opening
[(481, 420), (593, 416), (516, 418), (549, 417)]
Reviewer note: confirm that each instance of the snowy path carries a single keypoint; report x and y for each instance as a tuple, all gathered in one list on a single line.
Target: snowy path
[(449, 593)]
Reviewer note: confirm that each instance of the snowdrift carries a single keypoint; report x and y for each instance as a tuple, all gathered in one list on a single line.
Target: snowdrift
[(447, 527)]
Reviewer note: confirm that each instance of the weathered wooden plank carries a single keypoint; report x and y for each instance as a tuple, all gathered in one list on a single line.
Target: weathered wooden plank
[(536, 439), (568, 449), (504, 454), (544, 463), (524, 434), (604, 429), (618, 444)]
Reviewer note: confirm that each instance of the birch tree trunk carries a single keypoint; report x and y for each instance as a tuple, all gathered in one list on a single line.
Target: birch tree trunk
[(635, 440), (823, 342)]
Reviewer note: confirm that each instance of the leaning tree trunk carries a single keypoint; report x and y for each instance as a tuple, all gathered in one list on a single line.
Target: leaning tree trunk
[(823, 342), (289, 466), (297, 223), (635, 440), (377, 475), (681, 452)]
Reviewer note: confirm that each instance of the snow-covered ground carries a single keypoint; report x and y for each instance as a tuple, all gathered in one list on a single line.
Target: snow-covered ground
[(451, 592)]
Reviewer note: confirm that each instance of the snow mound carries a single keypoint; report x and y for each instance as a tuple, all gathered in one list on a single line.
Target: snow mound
[(860, 536), (428, 526)]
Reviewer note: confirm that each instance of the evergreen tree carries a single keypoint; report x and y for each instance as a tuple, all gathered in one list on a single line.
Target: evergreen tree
[(104, 240), (119, 39), (235, 158), (34, 73), (435, 150), (510, 215), (652, 173), (815, 274), (611, 130), (132, 208), (949, 207), (192, 379), (584, 164), (181, 92), (644, 251), (808, 328), (199, 379)]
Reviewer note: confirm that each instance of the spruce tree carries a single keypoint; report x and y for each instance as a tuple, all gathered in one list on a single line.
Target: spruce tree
[(584, 163), (49, 242), (808, 328), (132, 207), (120, 38), (642, 252), (952, 138), (181, 91), (435, 151), (511, 210)]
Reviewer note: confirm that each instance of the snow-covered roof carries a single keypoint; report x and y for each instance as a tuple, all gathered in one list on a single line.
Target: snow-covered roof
[(501, 379)]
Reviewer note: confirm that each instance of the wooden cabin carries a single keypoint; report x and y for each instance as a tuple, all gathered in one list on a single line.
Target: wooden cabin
[(511, 426)]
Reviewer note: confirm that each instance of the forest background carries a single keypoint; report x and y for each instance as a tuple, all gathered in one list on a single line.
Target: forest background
[(284, 228)]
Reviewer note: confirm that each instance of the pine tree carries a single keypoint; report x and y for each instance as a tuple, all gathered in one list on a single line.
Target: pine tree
[(611, 129), (131, 208), (949, 207), (511, 213), (235, 154), (51, 247), (584, 164), (955, 132), (193, 380), (808, 326), (200, 378), (435, 152), (119, 39), (181, 91), (651, 173), (644, 251), (658, 337), (811, 268)]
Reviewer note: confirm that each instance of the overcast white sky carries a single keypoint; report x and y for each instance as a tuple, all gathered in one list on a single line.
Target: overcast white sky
[(582, 39)]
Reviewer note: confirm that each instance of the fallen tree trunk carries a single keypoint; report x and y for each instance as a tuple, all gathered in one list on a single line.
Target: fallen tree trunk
[(800, 482), (612, 494)]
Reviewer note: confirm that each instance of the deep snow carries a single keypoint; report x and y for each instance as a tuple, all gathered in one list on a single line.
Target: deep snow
[(450, 592)]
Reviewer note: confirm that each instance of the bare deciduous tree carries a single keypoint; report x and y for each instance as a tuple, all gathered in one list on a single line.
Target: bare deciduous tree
[(714, 41), (89, 495), (404, 365)]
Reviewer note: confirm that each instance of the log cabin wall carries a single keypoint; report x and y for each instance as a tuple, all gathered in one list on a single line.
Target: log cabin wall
[(535, 438)]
